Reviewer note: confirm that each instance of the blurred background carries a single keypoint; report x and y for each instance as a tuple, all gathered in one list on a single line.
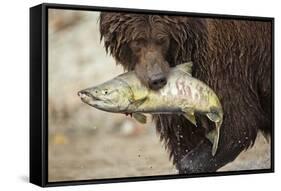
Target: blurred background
[(86, 143)]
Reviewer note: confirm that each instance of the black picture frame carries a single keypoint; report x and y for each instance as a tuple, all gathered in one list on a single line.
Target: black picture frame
[(39, 94)]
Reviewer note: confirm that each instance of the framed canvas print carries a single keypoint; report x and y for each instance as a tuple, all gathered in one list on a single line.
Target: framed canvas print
[(128, 94)]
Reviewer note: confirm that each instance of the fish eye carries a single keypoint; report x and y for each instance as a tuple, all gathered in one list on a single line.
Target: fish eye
[(105, 92)]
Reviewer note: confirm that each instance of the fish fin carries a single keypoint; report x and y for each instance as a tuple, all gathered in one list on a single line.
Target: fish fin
[(139, 117), (211, 136), (214, 135), (186, 67), (213, 117), (138, 102), (191, 118)]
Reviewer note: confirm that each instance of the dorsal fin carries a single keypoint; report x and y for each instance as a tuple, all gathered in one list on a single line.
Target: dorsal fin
[(185, 67)]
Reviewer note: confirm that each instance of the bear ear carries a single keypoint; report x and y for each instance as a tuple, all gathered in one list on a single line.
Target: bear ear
[(186, 67)]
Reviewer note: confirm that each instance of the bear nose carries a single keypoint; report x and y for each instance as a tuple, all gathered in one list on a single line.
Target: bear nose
[(157, 81)]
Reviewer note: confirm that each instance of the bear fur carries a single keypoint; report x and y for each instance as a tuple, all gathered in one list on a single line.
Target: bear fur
[(232, 56)]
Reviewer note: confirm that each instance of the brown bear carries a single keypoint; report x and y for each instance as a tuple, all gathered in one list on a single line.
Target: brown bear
[(232, 56)]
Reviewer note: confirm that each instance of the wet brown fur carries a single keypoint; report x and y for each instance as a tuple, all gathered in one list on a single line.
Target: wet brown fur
[(232, 56)]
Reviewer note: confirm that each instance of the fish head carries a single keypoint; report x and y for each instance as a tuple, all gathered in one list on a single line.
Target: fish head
[(111, 96)]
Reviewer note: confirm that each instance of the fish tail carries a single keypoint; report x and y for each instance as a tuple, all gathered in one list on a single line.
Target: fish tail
[(216, 138)]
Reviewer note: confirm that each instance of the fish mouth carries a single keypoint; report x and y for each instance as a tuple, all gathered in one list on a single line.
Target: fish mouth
[(88, 97), (97, 102)]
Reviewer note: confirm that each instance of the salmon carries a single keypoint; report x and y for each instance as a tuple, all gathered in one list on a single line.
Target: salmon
[(183, 95)]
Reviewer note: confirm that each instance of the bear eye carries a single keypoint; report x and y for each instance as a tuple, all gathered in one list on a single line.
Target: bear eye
[(162, 40), (105, 92), (136, 44)]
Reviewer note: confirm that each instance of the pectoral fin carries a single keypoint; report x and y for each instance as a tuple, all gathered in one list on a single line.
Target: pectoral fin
[(139, 117), (191, 118), (138, 102)]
